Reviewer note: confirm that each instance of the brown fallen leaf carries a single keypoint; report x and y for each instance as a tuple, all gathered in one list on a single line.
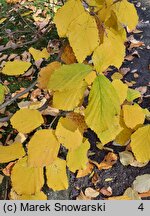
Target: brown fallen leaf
[(95, 178), (68, 56), (106, 191), (109, 160), (8, 168), (124, 71), (19, 91), (82, 196), (146, 194), (90, 192), (86, 171)]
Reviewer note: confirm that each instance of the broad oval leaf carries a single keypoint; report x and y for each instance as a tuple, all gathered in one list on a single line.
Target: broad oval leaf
[(103, 110), (121, 89), (68, 100), (66, 15), (133, 115), (15, 67), (110, 53), (68, 77), (12, 152), (68, 133), (45, 74), (132, 94), (83, 36), (126, 13), (56, 175), (26, 120), (140, 144), (77, 158), (142, 183), (25, 179), (42, 148)]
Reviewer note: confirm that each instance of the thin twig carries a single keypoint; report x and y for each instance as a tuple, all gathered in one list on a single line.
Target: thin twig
[(18, 95)]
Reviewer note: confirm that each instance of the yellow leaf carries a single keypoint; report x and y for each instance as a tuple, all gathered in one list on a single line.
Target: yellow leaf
[(2, 92), (26, 120), (110, 53), (68, 77), (15, 67), (132, 94), (37, 196), (38, 54), (2, 20), (68, 133), (116, 75), (140, 144), (25, 179), (121, 89), (45, 74), (90, 77), (42, 148), (68, 100), (126, 13), (56, 175), (133, 115), (103, 110), (66, 15), (79, 120), (12, 152), (83, 36), (77, 158), (124, 136)]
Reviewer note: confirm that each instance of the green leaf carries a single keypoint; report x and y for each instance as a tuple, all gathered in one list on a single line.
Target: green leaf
[(102, 112), (68, 77), (132, 94)]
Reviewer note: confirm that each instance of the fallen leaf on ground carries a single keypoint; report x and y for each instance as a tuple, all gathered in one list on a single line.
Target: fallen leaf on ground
[(142, 183), (90, 192), (109, 160), (86, 171), (8, 168)]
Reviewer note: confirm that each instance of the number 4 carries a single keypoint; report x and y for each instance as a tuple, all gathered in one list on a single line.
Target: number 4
[(141, 207)]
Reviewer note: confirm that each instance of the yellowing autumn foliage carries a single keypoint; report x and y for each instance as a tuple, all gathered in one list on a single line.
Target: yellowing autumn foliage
[(56, 175), (45, 73), (38, 54), (84, 99), (26, 120), (43, 148), (68, 77), (2, 92), (12, 152), (77, 158), (68, 133), (140, 144), (133, 115), (26, 180), (110, 52), (15, 67), (103, 110)]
